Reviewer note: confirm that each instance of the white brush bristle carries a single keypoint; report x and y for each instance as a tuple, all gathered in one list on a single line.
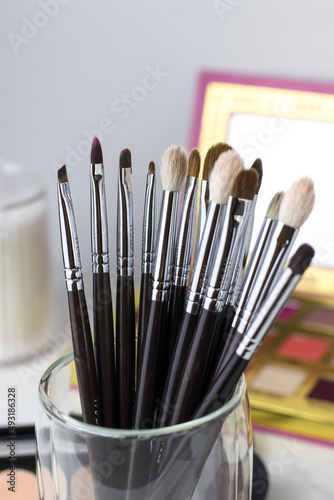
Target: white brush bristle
[(174, 166), (223, 175), (297, 203)]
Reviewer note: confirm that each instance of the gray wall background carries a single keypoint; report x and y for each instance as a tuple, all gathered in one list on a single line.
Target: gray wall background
[(67, 68)]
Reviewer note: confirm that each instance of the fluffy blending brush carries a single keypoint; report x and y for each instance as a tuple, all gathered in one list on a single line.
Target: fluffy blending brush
[(210, 159), (295, 208), (148, 239), (80, 327), (221, 388), (183, 250), (151, 365), (226, 168), (196, 367), (125, 297), (103, 324)]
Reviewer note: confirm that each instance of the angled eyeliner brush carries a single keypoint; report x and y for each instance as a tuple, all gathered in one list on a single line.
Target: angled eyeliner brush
[(226, 168), (151, 365), (80, 327), (125, 296), (148, 238), (183, 250), (103, 324)]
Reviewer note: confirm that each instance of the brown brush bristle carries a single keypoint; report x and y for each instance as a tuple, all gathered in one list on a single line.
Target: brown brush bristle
[(245, 184), (151, 168), (257, 165), (62, 175), (212, 156), (96, 152), (125, 158), (194, 164)]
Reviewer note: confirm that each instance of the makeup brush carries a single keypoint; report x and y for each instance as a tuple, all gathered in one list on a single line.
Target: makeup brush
[(226, 168), (80, 327), (222, 261), (148, 237), (183, 250), (262, 242), (295, 208), (125, 297), (224, 384), (151, 365), (103, 325), (210, 159)]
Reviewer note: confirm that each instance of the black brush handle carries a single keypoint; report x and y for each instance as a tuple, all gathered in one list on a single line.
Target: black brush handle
[(221, 390), (175, 313), (125, 349), (104, 348), (145, 289), (148, 365), (176, 365), (187, 397), (84, 358), (226, 352)]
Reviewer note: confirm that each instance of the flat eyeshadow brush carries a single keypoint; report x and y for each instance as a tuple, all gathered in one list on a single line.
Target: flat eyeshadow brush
[(103, 324), (234, 227), (183, 250), (148, 240), (221, 388), (125, 296), (222, 176), (151, 365), (80, 327)]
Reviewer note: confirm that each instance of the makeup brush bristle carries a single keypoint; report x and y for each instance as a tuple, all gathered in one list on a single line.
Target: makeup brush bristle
[(302, 258), (245, 184), (194, 164), (223, 174), (297, 203), (274, 206), (174, 165), (257, 165), (125, 158), (212, 156), (96, 152), (62, 175), (151, 168)]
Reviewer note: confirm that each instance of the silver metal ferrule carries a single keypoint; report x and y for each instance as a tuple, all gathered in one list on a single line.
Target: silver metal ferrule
[(185, 236), (223, 260), (69, 239), (125, 229), (164, 248), (242, 290), (99, 220), (148, 234), (268, 313), (270, 269), (202, 213), (215, 215)]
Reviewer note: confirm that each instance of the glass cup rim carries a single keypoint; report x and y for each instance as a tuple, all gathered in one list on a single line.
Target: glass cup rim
[(77, 426)]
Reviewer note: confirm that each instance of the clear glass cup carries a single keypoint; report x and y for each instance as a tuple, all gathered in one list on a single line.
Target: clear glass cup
[(208, 458)]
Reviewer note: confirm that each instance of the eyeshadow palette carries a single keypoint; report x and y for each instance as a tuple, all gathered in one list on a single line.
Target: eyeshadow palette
[(291, 379)]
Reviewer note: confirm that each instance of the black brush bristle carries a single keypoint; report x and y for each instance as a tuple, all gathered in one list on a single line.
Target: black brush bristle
[(62, 175), (96, 152), (125, 158), (302, 258)]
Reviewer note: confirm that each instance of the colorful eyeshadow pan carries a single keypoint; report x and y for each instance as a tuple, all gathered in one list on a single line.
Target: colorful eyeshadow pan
[(304, 347), (320, 316), (324, 390), (278, 380), (289, 310)]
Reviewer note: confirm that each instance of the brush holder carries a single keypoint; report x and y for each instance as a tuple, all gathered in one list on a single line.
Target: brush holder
[(207, 458), (24, 264)]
